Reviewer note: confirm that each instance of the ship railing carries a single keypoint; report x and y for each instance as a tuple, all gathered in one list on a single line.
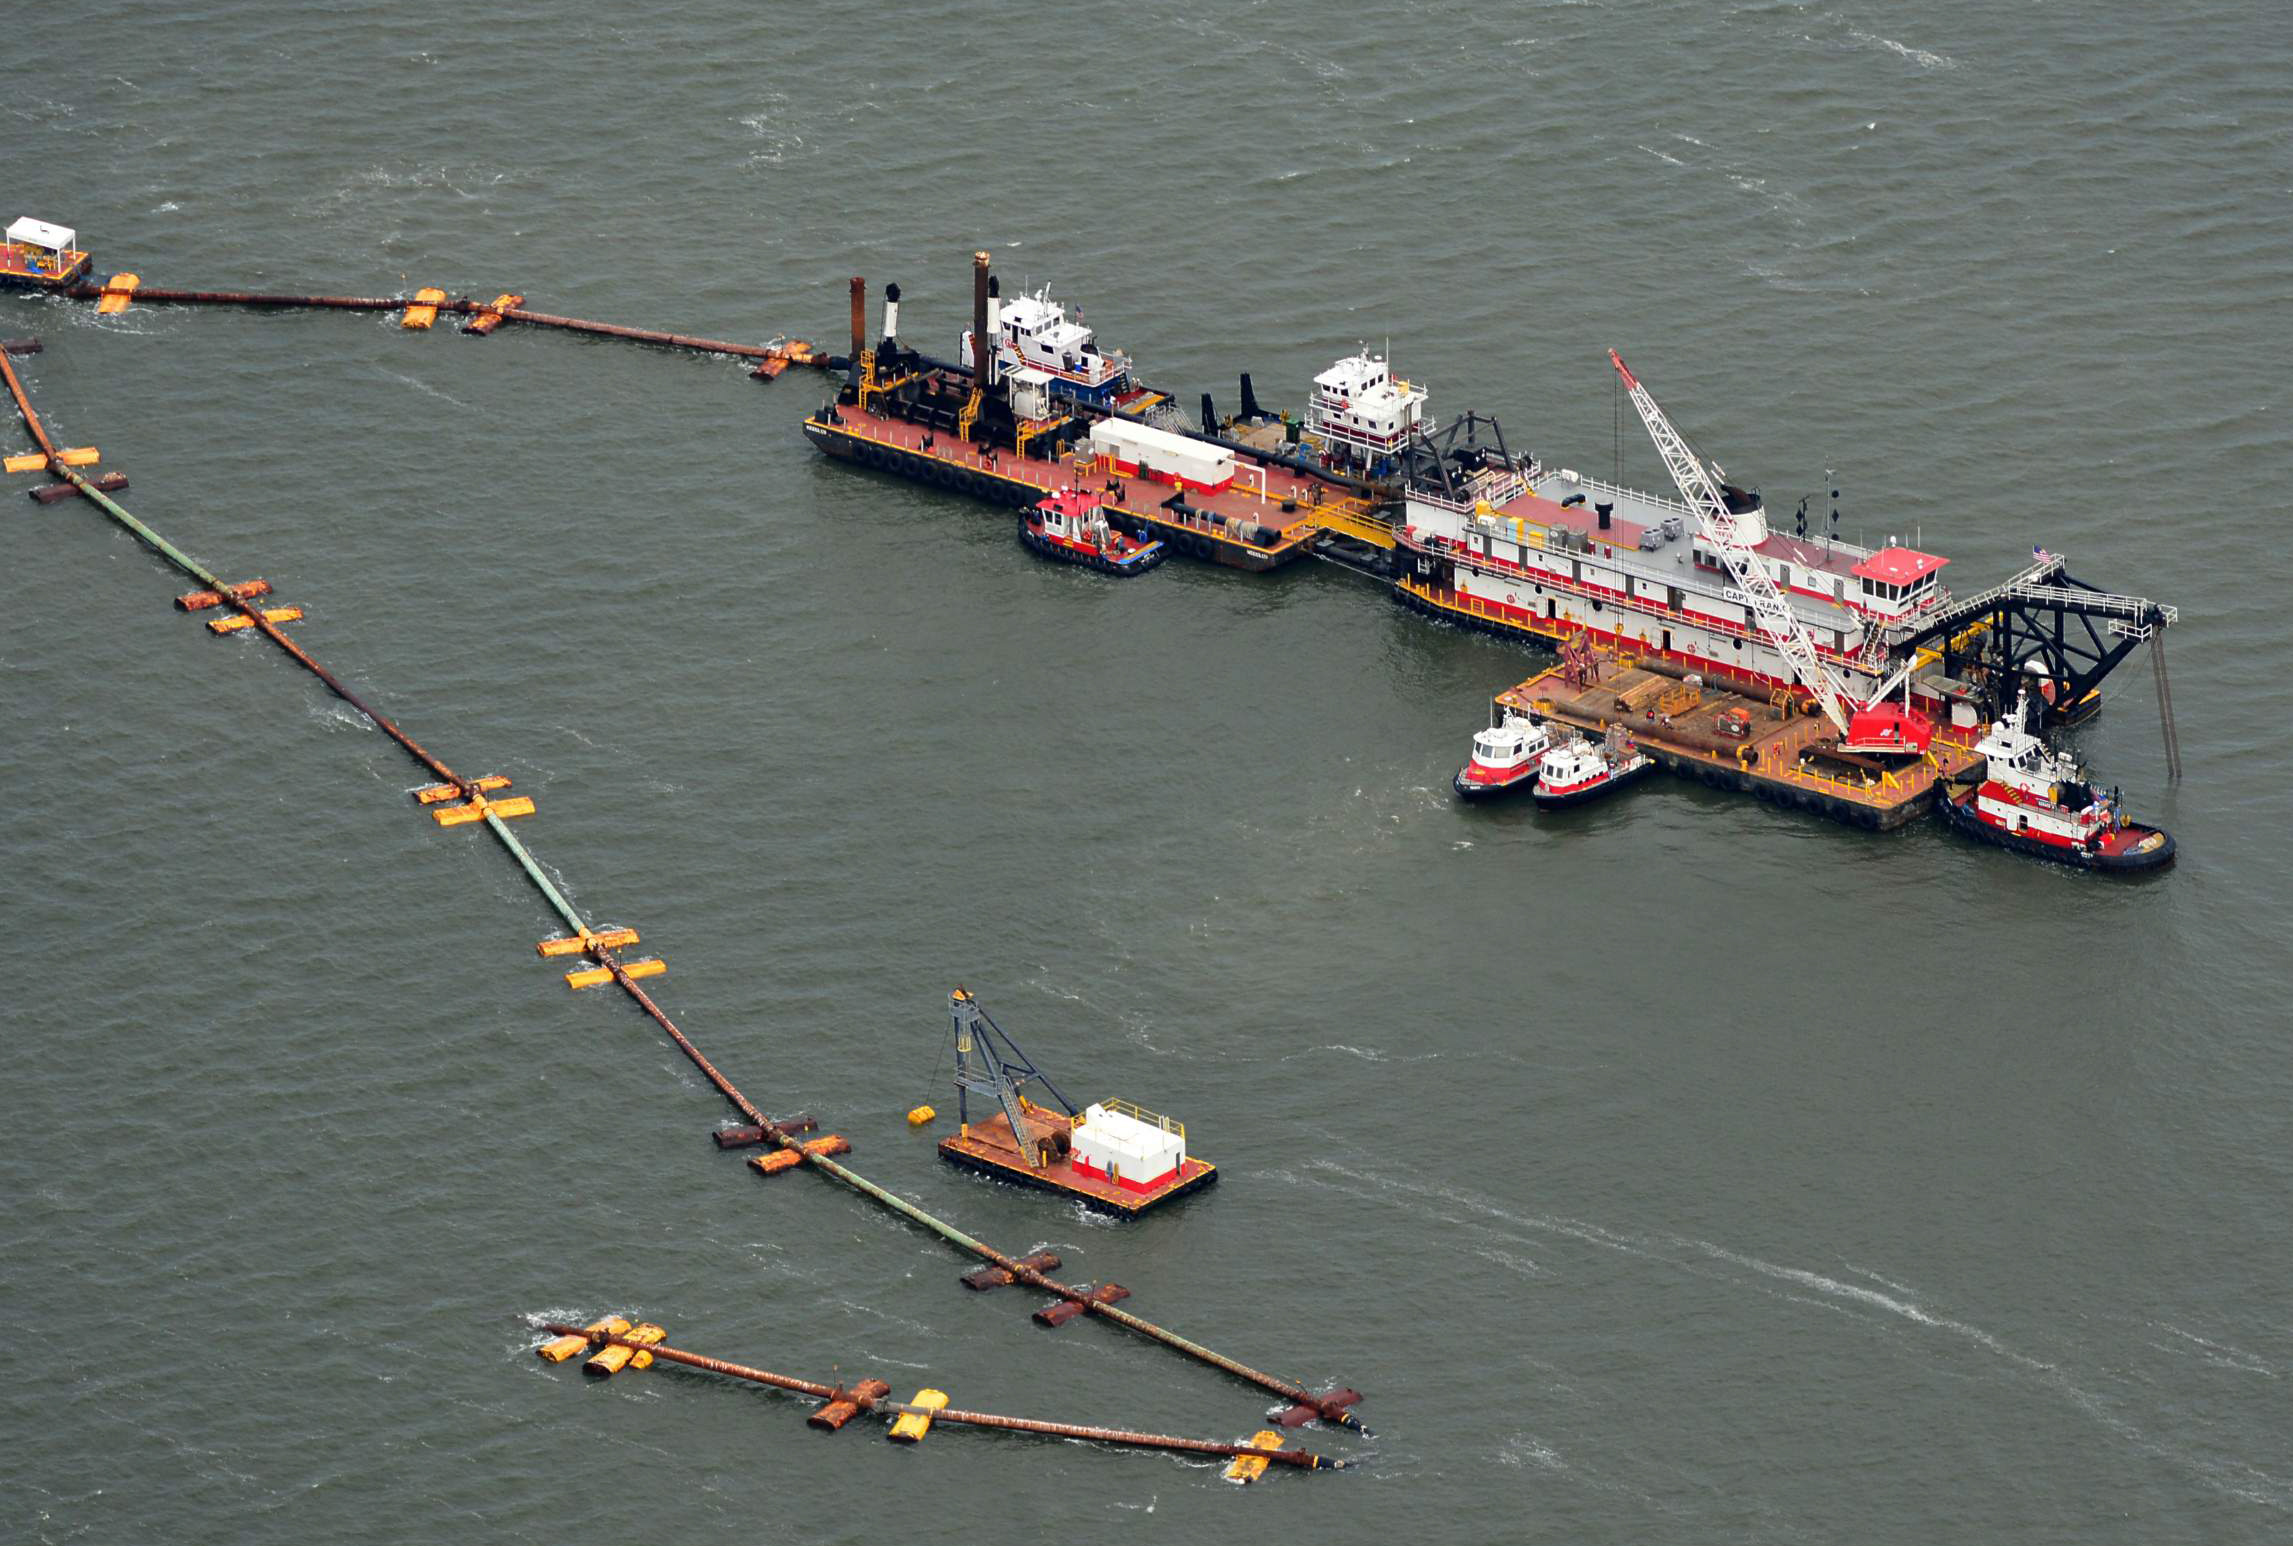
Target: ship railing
[(2134, 617), (1151, 1118), (2137, 609), (1603, 486), (1482, 488)]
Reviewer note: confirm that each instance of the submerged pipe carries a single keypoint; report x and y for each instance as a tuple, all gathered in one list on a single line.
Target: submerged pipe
[(856, 1397)]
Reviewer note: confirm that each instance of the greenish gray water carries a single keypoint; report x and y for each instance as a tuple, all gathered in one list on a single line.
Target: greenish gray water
[(1684, 1171)]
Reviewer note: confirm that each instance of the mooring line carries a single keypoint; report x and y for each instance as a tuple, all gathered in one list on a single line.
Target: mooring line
[(1334, 1406)]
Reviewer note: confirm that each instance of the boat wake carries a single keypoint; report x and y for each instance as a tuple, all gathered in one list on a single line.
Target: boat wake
[(1857, 1301), (426, 387), (1923, 58)]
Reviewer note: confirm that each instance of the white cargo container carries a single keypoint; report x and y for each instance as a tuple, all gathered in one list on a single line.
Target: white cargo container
[(1141, 450)]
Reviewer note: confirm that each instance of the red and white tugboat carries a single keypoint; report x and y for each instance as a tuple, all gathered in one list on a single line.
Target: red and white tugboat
[(2036, 800), (1505, 758), (1072, 527), (1582, 769)]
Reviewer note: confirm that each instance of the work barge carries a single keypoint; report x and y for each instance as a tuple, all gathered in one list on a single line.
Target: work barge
[(1781, 755)]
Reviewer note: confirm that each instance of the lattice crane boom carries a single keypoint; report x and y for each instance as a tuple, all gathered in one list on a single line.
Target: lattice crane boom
[(1776, 620), (989, 1062)]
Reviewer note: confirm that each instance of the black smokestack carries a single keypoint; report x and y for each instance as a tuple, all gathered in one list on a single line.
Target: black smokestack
[(979, 320), (994, 328)]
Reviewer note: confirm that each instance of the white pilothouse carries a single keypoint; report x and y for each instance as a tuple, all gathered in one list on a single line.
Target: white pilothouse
[(1033, 333), (1362, 414)]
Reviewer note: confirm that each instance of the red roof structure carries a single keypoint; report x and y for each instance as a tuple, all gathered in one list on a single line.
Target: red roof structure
[(1897, 566)]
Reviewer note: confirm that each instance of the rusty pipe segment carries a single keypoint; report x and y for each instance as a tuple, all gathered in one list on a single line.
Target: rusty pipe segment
[(867, 1395), (459, 306)]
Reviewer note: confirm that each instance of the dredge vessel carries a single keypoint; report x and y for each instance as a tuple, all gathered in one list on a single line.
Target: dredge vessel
[(1468, 528)]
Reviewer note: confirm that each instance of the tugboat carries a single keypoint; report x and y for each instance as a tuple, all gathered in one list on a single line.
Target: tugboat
[(1072, 527), (1580, 770), (2036, 800), (1505, 757)]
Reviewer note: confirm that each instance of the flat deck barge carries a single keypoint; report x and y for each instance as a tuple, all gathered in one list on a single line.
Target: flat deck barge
[(1262, 522), (1787, 757), (987, 1147)]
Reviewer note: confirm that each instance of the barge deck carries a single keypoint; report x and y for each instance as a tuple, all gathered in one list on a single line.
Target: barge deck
[(1786, 758), (1267, 519)]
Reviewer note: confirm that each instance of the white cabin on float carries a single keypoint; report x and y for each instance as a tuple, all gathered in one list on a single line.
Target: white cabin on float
[(41, 253), (1136, 1150)]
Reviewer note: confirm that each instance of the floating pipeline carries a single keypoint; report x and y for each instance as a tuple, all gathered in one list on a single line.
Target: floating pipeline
[(840, 1403), (462, 307), (1306, 1406)]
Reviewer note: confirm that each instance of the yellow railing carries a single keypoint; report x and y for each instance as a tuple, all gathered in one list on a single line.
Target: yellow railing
[(1140, 1114), (1349, 520)]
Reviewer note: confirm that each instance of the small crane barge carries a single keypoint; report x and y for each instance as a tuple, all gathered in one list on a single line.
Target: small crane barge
[(1110, 1156)]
